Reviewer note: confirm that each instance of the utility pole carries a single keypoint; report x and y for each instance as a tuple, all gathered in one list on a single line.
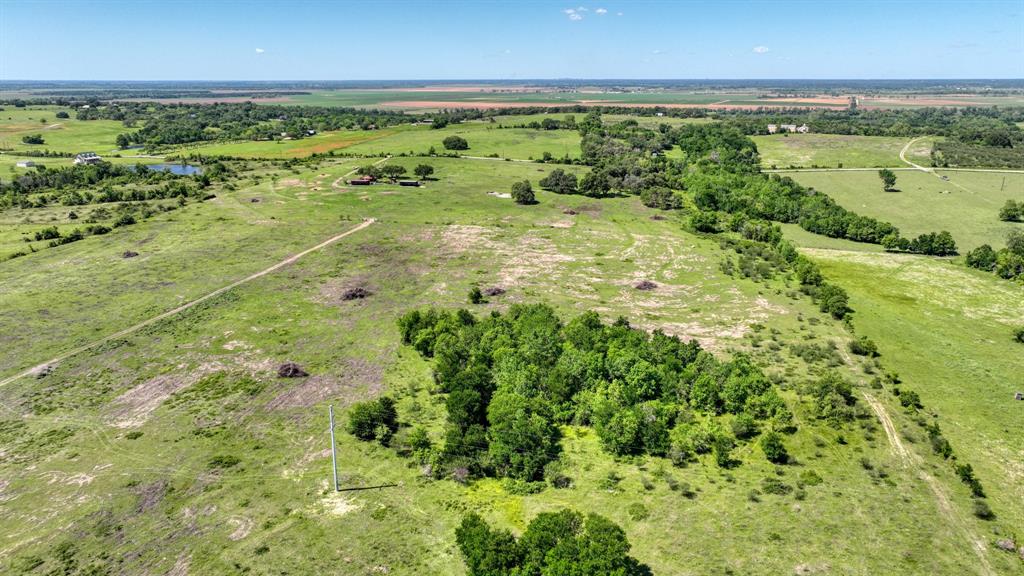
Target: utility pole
[(334, 455)]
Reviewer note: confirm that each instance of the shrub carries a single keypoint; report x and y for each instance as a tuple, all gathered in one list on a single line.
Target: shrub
[(373, 420), (223, 461), (810, 478), (638, 511), (771, 485), (982, 510), (522, 193), (1018, 334), (774, 449), (744, 426), (476, 296), (554, 473), (33, 139), (455, 143), (863, 346)]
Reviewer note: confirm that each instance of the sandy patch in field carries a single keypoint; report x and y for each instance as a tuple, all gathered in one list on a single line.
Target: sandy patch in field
[(290, 182), (135, 405), (316, 389), (242, 526), (181, 565)]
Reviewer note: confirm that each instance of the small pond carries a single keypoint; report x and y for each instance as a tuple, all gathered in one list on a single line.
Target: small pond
[(179, 169)]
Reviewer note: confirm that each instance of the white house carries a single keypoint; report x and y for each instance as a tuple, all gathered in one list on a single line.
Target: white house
[(87, 158), (803, 129), (772, 128)]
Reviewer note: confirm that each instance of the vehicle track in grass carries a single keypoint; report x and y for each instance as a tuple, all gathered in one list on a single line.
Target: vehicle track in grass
[(174, 311)]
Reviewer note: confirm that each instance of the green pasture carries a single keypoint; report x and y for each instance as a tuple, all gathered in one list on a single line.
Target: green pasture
[(59, 134), (947, 331), (967, 204), (176, 448), (836, 151)]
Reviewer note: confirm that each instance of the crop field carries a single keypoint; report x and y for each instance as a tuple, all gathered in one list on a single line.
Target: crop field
[(967, 204), (837, 151), (177, 448)]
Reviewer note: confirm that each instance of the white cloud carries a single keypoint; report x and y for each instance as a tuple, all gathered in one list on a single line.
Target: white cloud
[(260, 50), (760, 49), (618, 13), (601, 11), (574, 13), (657, 52)]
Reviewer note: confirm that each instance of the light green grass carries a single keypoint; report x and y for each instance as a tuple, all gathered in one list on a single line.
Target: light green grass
[(829, 150), (946, 329), (967, 205), (428, 247), (60, 135)]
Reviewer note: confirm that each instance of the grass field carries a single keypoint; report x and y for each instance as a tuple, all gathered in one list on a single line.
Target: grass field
[(60, 135), (132, 443), (836, 151), (946, 330), (967, 205), (484, 139)]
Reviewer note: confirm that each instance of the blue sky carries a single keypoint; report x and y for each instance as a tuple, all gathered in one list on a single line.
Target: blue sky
[(333, 40)]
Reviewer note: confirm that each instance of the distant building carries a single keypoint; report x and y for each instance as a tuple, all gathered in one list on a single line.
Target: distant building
[(772, 128), (87, 158), (408, 182), (362, 181), (791, 128), (26, 164), (803, 129)]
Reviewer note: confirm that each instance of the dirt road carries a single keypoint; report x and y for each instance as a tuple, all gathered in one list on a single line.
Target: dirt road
[(290, 260)]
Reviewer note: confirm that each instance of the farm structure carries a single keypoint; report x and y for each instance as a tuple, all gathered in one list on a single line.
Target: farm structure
[(88, 158), (792, 128), (26, 164)]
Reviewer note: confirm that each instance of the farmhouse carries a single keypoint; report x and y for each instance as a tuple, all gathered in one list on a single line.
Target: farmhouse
[(87, 158), (26, 164), (792, 128), (362, 181)]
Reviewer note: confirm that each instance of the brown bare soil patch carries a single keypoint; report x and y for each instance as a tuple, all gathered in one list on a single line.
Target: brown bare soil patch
[(150, 495), (315, 389), (135, 405)]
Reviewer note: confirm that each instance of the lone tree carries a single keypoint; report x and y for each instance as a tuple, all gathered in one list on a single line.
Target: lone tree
[(888, 178), (423, 171), (522, 193), (455, 143), (33, 139)]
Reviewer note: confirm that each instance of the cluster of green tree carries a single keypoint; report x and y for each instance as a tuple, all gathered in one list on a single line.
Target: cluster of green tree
[(568, 123), (1012, 211), (930, 243), (394, 171), (33, 139), (563, 543), (512, 379), (953, 154), (458, 115), (167, 124), (763, 251), (68, 184), (374, 420), (1006, 263), (988, 125)]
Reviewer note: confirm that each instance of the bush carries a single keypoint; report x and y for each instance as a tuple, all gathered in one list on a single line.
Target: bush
[(638, 511), (476, 296), (559, 181), (554, 473), (1018, 334), (373, 420), (774, 450), (455, 143), (522, 193), (63, 115), (863, 346), (744, 426), (982, 510), (771, 485), (704, 221), (33, 139)]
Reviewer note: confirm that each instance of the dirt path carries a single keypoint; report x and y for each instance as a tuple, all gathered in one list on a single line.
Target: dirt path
[(946, 508), (903, 155), (290, 260), (894, 169)]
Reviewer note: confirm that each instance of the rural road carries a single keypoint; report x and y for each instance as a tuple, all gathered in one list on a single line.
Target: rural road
[(85, 347)]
